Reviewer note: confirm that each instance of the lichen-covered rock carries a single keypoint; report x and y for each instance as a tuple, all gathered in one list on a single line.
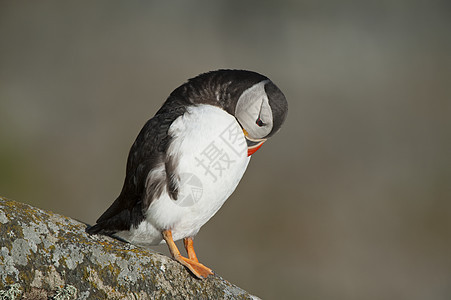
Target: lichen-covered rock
[(48, 256)]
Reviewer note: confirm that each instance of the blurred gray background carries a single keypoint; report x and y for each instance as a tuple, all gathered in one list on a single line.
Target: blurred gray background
[(351, 200)]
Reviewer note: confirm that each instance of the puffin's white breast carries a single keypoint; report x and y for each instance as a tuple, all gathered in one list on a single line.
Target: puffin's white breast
[(212, 157)]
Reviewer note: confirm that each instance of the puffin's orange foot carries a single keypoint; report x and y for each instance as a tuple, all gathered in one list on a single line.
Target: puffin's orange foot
[(198, 269)]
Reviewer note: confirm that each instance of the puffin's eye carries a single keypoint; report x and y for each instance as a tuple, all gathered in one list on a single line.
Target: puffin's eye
[(259, 122)]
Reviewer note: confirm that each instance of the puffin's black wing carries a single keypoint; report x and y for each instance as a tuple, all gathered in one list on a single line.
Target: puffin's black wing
[(147, 152)]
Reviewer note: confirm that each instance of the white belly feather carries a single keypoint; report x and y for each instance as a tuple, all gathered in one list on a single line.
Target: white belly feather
[(212, 155)]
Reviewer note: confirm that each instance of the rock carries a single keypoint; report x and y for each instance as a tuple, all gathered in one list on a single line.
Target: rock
[(44, 255)]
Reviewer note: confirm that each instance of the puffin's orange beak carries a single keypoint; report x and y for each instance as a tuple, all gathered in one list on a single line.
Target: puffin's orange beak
[(253, 149), (252, 144)]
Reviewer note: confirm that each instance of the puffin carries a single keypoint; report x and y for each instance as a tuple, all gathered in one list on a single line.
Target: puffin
[(189, 158)]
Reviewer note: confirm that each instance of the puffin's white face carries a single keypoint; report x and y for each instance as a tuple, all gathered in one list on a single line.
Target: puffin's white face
[(254, 114)]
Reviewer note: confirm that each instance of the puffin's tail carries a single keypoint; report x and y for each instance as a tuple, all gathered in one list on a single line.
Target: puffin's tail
[(95, 229)]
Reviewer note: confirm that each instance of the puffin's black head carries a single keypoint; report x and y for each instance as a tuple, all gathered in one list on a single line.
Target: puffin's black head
[(261, 110), (255, 101)]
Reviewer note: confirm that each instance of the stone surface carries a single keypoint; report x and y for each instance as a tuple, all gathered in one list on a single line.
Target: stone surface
[(48, 256)]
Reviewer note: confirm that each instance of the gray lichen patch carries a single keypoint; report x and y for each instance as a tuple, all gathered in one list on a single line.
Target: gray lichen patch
[(75, 257), (33, 235), (8, 270), (3, 218), (100, 257), (20, 251)]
